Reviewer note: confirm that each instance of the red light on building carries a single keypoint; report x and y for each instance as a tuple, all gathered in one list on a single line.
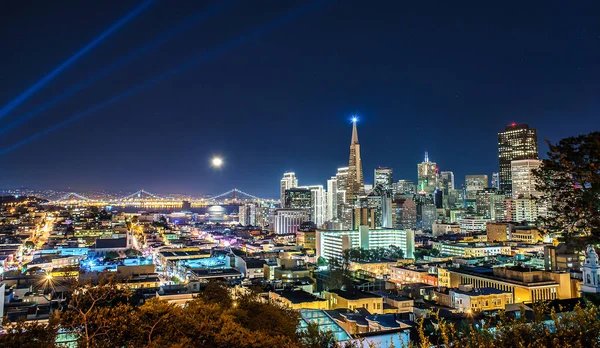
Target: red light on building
[(513, 124)]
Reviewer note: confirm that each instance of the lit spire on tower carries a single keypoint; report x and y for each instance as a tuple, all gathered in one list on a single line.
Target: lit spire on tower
[(354, 131)]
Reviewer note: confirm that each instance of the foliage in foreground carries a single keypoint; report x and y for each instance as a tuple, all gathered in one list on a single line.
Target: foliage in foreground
[(577, 328), (103, 316), (569, 180)]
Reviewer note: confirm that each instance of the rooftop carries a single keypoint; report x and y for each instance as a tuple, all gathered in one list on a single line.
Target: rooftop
[(298, 296), (111, 243), (353, 295), (385, 320), (481, 292), (184, 253)]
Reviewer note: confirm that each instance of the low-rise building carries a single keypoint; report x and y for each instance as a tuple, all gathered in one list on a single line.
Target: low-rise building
[(354, 299), (306, 239), (473, 223), (525, 234), (480, 299), (251, 268), (561, 258), (471, 249), (439, 229), (298, 299), (498, 231), (373, 268), (412, 274), (526, 284)]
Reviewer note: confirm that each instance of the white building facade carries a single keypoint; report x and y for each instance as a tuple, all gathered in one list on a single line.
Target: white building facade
[(333, 243)]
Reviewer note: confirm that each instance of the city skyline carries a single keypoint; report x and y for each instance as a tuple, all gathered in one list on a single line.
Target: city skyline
[(431, 90)]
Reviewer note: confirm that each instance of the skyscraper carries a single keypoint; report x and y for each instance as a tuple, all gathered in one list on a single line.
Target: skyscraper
[(523, 181), (318, 208), (287, 182), (474, 183), (447, 181), (405, 214), (384, 177), (298, 198), (517, 142), (332, 199), (355, 185), (247, 214), (341, 177), (495, 180), (427, 174), (405, 187)]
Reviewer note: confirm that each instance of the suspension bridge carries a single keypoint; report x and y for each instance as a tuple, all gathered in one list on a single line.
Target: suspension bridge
[(145, 198)]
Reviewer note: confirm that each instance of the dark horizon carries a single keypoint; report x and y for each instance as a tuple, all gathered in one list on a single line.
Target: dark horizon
[(443, 79)]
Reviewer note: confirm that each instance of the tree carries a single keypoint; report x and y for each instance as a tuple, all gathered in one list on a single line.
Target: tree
[(577, 328), (132, 253), (321, 261), (338, 271), (111, 255), (29, 334), (29, 244), (217, 292), (100, 314), (395, 252), (312, 337), (569, 180)]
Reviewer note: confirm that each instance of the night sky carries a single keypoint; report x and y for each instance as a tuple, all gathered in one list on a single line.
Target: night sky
[(443, 77)]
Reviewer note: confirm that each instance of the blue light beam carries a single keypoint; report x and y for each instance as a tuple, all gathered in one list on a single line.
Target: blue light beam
[(41, 83), (160, 40), (297, 12)]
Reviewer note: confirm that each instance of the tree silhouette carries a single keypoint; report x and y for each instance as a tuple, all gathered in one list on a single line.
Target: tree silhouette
[(569, 180)]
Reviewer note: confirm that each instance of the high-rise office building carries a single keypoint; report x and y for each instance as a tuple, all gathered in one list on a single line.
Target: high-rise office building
[(287, 182), (474, 183), (264, 211), (342, 178), (495, 180), (447, 179), (490, 203), (375, 209), (405, 214), (247, 214), (318, 207), (523, 181), (332, 199), (298, 198), (405, 187), (427, 175), (355, 185), (517, 142), (426, 211), (384, 177)]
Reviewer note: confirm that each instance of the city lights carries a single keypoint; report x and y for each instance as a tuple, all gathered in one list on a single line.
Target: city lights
[(408, 248)]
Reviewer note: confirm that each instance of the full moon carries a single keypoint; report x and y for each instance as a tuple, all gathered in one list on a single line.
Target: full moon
[(217, 162)]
